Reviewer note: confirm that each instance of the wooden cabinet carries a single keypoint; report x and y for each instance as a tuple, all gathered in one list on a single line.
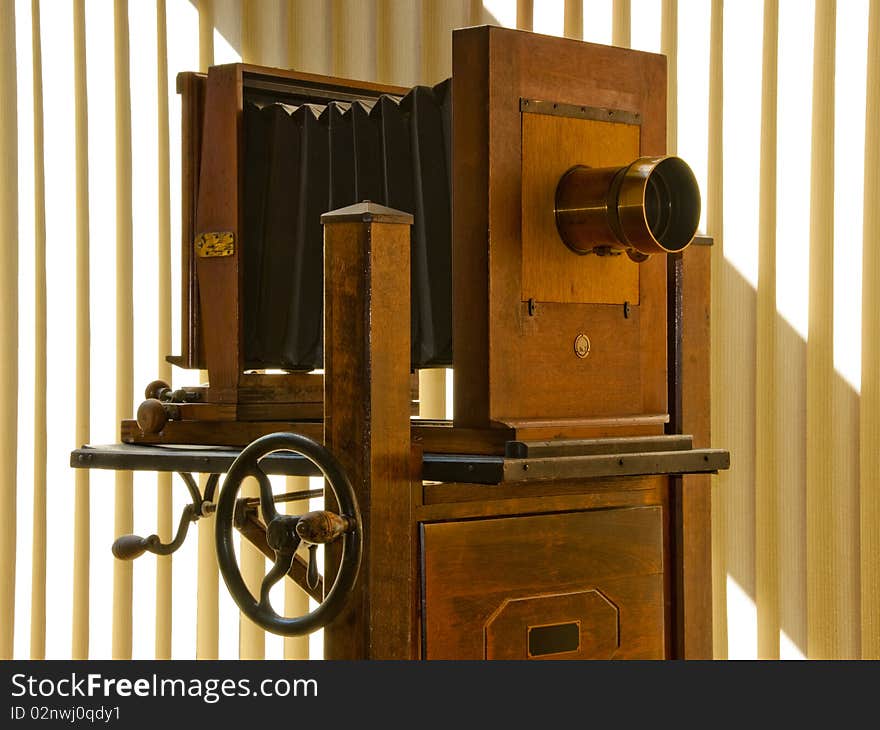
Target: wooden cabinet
[(569, 585)]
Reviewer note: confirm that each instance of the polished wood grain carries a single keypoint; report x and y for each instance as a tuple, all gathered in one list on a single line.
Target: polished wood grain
[(367, 401), (191, 87), (618, 491), (220, 204), (281, 388), (582, 447), (212, 201), (696, 504), (321, 526), (435, 437), (551, 272), (470, 224), (230, 433), (513, 361), (151, 416), (498, 559), (256, 411), (587, 428), (473, 568), (253, 73)]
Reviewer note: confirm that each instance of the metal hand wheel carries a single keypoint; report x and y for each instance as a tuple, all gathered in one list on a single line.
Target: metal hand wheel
[(285, 532)]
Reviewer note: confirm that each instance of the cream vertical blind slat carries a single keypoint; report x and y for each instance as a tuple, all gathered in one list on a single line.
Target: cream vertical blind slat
[(669, 47), (398, 42), (38, 559), (525, 13), (822, 488), (354, 39), (477, 13), (869, 419), (250, 28), (163, 480), (270, 32), (82, 494), (794, 88), (207, 592), (164, 602), (720, 414), (439, 17), (573, 19), (208, 575), (766, 420), (432, 393), (251, 638), (849, 94), (736, 332), (8, 322), (309, 43), (206, 34), (621, 23), (123, 517)]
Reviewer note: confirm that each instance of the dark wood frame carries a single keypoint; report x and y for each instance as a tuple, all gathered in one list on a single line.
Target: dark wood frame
[(212, 202)]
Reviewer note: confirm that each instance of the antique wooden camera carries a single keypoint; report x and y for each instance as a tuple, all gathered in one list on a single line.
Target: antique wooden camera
[(519, 223)]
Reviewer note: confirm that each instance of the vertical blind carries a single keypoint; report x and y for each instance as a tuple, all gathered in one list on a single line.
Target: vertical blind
[(782, 128)]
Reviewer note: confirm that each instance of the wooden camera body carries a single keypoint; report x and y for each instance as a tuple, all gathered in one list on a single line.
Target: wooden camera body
[(564, 513)]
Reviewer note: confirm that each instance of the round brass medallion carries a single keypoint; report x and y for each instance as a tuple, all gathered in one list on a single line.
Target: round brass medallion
[(582, 345)]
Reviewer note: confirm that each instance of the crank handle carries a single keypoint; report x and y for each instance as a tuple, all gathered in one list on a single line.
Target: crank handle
[(322, 527), (129, 547)]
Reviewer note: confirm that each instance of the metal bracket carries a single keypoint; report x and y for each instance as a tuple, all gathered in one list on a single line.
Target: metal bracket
[(577, 111)]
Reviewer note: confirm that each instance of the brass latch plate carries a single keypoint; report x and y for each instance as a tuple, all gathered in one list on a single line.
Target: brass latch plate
[(215, 243)]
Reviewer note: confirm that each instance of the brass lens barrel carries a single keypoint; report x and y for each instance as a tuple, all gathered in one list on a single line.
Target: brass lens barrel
[(650, 206)]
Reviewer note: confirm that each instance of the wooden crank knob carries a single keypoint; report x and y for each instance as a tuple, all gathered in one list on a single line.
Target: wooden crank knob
[(158, 389), (151, 416), (322, 527)]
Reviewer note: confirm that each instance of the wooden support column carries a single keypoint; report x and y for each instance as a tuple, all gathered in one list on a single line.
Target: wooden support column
[(366, 422), (695, 519)]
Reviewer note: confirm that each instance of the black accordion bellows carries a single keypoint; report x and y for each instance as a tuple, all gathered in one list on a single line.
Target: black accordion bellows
[(302, 161)]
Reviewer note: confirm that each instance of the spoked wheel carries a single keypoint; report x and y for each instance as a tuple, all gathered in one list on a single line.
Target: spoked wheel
[(284, 533)]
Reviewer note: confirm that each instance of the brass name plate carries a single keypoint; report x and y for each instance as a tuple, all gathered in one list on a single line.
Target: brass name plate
[(215, 243)]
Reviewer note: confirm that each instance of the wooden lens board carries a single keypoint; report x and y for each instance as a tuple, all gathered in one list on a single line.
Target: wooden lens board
[(521, 298)]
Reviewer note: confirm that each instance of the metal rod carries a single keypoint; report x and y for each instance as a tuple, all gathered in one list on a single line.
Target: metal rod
[(288, 496)]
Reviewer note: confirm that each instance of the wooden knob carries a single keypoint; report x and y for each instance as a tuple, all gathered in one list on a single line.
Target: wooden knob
[(322, 527), (157, 389), (151, 416)]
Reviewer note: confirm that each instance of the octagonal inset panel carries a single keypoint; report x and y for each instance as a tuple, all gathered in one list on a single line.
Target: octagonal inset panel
[(582, 625)]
